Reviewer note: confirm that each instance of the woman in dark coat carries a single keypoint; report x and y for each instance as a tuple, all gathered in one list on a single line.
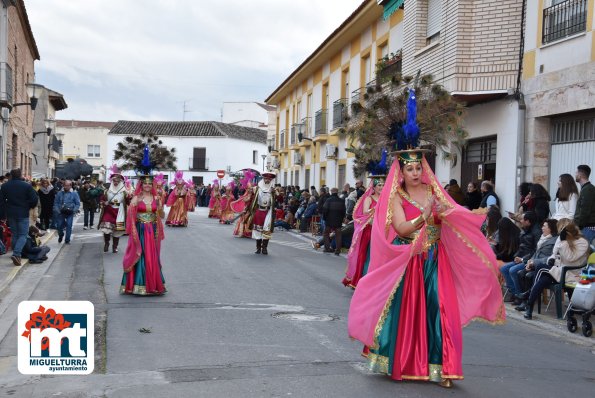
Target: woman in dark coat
[(541, 202), (47, 194)]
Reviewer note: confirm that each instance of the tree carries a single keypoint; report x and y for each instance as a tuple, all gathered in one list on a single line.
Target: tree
[(377, 122), (131, 149)]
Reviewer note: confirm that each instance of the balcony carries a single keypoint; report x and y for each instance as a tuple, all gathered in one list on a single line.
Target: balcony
[(564, 19), (282, 135), (271, 145), (306, 130), (295, 129), (6, 87), (198, 164), (320, 122), (340, 112)]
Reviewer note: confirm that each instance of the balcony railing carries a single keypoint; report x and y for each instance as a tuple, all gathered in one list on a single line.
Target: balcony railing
[(394, 67), (271, 145), (320, 123), (282, 139), (198, 164), (340, 108), (306, 127), (564, 19), (295, 129)]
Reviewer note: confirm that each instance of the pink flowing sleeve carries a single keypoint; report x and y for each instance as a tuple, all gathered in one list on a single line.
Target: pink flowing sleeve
[(133, 248), (171, 198)]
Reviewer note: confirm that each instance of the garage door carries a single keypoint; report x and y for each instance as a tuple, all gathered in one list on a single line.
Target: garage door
[(573, 143)]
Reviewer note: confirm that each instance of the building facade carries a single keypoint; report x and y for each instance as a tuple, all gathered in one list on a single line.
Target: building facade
[(46, 145), (472, 48), (247, 114), (202, 148), (86, 140), (18, 52), (559, 89)]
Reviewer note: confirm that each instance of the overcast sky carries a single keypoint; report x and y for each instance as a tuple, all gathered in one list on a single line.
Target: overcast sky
[(139, 59)]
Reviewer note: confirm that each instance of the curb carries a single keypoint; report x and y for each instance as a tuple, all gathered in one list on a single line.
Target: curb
[(16, 269)]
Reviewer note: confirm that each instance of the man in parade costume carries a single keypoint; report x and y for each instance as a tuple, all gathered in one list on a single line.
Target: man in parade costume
[(263, 215), (112, 220)]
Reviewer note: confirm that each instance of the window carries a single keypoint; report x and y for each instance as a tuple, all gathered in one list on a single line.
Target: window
[(255, 157), (434, 21), (199, 159), (367, 71), (93, 151), (564, 18)]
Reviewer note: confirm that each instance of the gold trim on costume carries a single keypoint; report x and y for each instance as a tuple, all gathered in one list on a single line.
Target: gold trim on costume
[(146, 217), (378, 363), (384, 314)]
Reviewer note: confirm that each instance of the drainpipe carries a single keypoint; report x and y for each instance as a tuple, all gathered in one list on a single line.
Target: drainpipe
[(521, 133)]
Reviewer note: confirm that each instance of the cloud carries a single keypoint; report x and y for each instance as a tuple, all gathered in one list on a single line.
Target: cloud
[(141, 58)]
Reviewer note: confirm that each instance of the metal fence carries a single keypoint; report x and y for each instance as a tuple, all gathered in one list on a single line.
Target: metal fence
[(564, 19)]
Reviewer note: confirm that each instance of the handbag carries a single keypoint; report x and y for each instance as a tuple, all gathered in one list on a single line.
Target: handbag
[(67, 209), (556, 270)]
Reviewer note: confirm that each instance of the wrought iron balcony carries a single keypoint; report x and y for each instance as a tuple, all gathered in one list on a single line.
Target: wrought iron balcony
[(271, 144), (198, 164), (564, 19), (282, 139), (295, 130), (320, 122), (340, 112)]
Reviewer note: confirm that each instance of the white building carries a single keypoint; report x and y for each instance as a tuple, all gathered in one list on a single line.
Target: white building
[(202, 148), (46, 147), (247, 114), (86, 140)]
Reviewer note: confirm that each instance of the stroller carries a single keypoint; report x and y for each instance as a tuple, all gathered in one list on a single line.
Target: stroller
[(583, 299)]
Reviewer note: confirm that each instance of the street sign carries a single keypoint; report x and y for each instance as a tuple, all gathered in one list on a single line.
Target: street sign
[(220, 174)]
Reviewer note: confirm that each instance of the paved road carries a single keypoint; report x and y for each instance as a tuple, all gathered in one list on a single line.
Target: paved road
[(234, 324)]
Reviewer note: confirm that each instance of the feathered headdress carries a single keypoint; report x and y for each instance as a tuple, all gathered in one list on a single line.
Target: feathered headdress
[(190, 184), (407, 135), (159, 179), (114, 171), (248, 177), (178, 178), (378, 169)]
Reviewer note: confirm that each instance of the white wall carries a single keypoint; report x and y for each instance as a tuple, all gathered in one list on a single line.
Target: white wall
[(76, 139), (234, 112), (220, 152)]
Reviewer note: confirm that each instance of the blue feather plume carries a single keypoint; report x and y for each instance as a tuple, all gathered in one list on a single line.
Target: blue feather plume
[(378, 168), (411, 129), (146, 166)]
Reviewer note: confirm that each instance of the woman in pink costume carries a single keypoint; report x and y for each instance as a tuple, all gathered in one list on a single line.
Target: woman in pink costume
[(178, 212), (142, 264), (227, 213), (215, 201), (191, 197), (358, 257), (242, 228), (431, 272), (159, 182)]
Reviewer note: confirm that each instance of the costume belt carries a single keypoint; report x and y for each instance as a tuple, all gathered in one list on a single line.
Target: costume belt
[(432, 231), (264, 207), (146, 217)]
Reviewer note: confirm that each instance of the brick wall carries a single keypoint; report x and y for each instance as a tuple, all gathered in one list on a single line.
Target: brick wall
[(478, 47), (20, 57)]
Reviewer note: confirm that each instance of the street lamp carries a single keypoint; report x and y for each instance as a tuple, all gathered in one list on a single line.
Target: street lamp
[(263, 158), (33, 91), (50, 125), (301, 137)]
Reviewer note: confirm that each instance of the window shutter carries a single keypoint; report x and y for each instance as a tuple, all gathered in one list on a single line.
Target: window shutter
[(434, 17)]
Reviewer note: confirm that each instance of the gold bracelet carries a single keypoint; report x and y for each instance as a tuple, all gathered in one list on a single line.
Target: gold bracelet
[(417, 220)]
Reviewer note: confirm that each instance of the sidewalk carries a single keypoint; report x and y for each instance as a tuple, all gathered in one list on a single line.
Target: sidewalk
[(8, 271)]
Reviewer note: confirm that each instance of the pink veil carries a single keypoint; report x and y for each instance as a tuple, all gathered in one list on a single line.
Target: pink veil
[(473, 263), (360, 220)]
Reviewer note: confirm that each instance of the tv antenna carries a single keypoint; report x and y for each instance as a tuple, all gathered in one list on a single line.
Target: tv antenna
[(184, 109)]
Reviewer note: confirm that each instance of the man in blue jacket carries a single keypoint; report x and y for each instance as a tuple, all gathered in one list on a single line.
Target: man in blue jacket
[(66, 205), (17, 197)]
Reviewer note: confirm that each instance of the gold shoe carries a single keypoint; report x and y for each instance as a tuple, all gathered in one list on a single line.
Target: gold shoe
[(446, 383)]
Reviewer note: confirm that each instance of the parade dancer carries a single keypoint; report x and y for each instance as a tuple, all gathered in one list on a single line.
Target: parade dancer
[(262, 213), (358, 257), (142, 265), (178, 212), (215, 201), (159, 182), (431, 272), (227, 213), (112, 219), (191, 197), (242, 229)]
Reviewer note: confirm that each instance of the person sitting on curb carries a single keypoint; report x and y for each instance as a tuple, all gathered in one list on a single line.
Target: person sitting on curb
[(32, 251)]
